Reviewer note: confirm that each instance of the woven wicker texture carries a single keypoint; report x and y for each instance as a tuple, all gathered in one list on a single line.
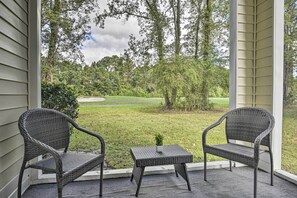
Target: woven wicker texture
[(247, 124), (44, 132), (172, 154)]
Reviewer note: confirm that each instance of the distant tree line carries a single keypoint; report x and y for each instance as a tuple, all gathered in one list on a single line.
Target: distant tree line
[(118, 75)]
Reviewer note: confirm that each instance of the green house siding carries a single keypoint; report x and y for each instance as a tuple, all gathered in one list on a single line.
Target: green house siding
[(13, 89)]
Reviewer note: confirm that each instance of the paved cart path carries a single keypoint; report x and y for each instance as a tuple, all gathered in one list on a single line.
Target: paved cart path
[(92, 99)]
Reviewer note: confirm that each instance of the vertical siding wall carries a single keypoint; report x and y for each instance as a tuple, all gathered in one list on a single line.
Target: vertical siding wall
[(254, 53), (13, 89)]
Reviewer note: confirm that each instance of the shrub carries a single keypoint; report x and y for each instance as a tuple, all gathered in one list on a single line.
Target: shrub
[(59, 97)]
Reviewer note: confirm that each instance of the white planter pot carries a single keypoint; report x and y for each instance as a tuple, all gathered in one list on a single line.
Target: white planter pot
[(159, 149)]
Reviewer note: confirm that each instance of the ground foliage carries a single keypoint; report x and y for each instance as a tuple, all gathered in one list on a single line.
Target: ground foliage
[(59, 97)]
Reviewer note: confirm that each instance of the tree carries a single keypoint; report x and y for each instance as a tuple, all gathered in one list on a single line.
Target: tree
[(206, 53), (181, 73), (290, 51), (161, 24), (152, 22), (64, 26)]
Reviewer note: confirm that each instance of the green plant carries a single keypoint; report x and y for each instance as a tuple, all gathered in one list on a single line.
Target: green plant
[(159, 139), (59, 97)]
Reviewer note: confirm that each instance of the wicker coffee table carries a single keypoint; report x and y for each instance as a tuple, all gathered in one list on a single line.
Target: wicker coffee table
[(147, 156)]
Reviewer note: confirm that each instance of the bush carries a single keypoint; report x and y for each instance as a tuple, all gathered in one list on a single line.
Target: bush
[(61, 98)]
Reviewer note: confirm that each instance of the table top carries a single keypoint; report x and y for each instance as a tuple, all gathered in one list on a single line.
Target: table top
[(172, 154)]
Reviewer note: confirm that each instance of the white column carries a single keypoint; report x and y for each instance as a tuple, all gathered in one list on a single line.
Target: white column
[(278, 62), (34, 74), (233, 56)]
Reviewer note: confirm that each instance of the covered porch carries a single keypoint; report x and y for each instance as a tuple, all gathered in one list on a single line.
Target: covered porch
[(256, 73)]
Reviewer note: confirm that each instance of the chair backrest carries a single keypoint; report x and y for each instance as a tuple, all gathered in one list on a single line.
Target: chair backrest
[(247, 123), (45, 125)]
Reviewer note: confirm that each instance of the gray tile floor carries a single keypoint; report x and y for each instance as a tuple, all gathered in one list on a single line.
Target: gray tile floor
[(221, 183)]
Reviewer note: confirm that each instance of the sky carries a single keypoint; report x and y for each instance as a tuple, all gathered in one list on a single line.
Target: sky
[(112, 40)]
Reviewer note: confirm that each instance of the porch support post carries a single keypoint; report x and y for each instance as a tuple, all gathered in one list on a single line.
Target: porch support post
[(34, 70), (34, 74), (278, 64), (233, 56)]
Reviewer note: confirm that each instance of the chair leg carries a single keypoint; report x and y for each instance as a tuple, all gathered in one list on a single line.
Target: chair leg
[(176, 174), (20, 179), (101, 178), (271, 167), (230, 164), (60, 192), (59, 186), (204, 166), (255, 181)]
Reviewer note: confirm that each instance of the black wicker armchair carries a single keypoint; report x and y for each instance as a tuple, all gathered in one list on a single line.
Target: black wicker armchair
[(247, 124), (47, 131)]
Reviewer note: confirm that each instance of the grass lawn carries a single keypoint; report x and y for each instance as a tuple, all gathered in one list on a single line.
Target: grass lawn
[(289, 151), (126, 122)]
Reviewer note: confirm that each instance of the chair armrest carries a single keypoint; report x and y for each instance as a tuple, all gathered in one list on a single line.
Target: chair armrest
[(99, 137), (210, 127), (50, 150), (258, 141)]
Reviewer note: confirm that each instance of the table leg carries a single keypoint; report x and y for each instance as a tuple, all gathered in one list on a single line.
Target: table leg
[(131, 177), (176, 173), (137, 174), (182, 170)]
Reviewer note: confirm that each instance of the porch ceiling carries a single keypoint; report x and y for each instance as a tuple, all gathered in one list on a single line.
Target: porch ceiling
[(221, 183)]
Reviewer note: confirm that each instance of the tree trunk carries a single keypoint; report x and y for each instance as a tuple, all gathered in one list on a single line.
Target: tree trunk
[(158, 25), (197, 30), (206, 54), (176, 10), (51, 57)]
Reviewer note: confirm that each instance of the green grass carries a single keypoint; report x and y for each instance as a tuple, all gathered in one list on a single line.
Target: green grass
[(126, 122), (289, 142)]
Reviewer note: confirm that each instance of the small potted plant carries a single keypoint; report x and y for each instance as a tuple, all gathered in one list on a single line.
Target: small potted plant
[(159, 142)]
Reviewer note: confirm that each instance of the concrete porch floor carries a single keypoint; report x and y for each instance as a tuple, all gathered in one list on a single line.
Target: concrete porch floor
[(221, 183)]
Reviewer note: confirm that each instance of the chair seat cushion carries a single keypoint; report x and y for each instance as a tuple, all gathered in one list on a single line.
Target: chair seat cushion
[(70, 161), (235, 152)]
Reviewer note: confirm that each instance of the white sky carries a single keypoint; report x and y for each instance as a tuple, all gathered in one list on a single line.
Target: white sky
[(112, 40)]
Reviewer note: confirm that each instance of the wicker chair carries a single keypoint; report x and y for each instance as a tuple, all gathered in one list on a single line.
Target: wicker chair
[(252, 125), (46, 131)]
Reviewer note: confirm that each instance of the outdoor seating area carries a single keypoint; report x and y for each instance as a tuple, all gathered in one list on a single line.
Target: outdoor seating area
[(221, 183), (193, 99), (44, 131)]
